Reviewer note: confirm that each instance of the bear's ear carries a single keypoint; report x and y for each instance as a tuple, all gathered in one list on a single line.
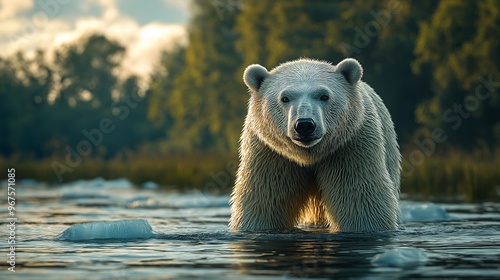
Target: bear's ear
[(254, 75), (350, 69)]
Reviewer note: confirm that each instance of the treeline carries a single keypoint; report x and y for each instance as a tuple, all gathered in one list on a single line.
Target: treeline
[(434, 63), (74, 105)]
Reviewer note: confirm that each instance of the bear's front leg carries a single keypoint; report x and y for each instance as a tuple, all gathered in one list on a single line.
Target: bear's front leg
[(269, 191), (358, 193)]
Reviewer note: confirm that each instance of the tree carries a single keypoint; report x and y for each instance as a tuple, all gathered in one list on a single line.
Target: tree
[(205, 102), (24, 92), (380, 34), (86, 70), (86, 87), (460, 44), (276, 31)]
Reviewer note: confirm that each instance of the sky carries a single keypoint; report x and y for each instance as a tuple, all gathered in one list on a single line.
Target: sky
[(144, 27)]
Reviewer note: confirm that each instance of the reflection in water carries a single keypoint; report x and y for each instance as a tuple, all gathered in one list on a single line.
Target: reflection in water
[(309, 254)]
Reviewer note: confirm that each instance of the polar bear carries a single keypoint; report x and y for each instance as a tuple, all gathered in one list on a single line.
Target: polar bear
[(318, 147)]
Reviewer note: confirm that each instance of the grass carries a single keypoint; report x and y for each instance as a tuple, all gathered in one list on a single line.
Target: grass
[(455, 174), (170, 172), (451, 175)]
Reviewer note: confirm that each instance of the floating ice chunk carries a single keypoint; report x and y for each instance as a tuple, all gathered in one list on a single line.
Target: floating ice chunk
[(401, 257), (85, 184), (413, 212), (29, 182), (91, 188), (99, 183), (118, 183), (122, 229), (197, 199), (149, 185), (84, 195)]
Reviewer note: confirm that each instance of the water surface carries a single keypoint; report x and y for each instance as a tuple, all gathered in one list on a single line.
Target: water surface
[(191, 240)]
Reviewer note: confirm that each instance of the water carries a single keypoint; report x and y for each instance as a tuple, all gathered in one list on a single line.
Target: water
[(189, 238)]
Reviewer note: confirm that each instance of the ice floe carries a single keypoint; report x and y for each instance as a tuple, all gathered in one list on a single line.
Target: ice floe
[(120, 183), (419, 212), (401, 257), (149, 185), (117, 230), (196, 199)]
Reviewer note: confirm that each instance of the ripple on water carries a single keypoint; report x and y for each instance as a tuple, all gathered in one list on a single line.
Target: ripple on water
[(114, 230)]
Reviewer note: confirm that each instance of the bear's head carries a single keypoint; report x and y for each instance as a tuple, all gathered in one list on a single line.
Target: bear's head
[(305, 109)]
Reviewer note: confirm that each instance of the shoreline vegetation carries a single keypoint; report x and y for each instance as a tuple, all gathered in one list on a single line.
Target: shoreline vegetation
[(452, 175), (455, 175)]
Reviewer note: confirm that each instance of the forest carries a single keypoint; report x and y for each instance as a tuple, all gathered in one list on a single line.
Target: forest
[(73, 114)]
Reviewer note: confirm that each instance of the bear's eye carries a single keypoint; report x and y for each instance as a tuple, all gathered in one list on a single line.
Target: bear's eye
[(285, 99), (324, 98)]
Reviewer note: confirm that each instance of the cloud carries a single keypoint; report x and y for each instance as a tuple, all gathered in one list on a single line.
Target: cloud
[(182, 4), (145, 49), (144, 43), (46, 30), (110, 9), (9, 8)]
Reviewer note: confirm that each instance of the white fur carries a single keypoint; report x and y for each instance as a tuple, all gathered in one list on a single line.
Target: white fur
[(348, 179)]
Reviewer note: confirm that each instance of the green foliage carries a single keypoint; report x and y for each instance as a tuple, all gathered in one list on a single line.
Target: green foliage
[(86, 72), (47, 106), (460, 45), (24, 87), (377, 33), (200, 90)]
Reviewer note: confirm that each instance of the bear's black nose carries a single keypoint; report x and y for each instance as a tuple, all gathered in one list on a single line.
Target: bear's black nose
[(305, 127)]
